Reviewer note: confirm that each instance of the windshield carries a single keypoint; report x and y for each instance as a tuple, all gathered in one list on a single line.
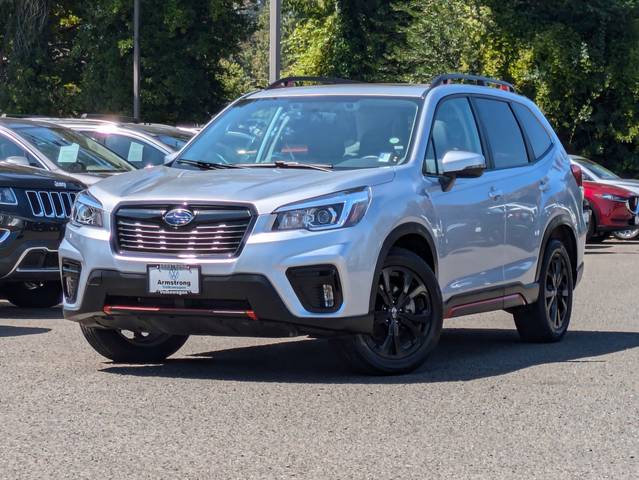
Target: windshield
[(339, 132), (72, 151), (601, 172), (174, 141)]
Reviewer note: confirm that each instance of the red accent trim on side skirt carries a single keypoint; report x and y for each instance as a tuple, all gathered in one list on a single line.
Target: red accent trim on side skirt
[(515, 296), (111, 309)]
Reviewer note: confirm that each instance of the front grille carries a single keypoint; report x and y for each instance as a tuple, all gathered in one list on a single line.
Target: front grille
[(215, 230), (633, 204), (53, 204)]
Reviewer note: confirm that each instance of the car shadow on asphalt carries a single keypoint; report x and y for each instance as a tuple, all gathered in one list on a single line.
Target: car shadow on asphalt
[(16, 313), (463, 354), (11, 331)]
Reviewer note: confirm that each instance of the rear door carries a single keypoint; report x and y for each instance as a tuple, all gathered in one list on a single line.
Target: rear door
[(471, 215), (520, 178)]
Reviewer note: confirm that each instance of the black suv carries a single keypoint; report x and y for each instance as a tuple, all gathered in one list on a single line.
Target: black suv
[(34, 208)]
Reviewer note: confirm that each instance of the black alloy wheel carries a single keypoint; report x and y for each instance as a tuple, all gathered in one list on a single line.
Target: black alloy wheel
[(407, 317), (402, 314), (547, 319), (557, 291)]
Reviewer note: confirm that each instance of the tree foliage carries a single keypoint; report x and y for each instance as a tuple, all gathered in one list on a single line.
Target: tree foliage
[(79, 58), (577, 59)]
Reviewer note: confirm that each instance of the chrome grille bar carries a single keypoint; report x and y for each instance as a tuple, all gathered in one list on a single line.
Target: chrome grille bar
[(215, 230), (50, 204)]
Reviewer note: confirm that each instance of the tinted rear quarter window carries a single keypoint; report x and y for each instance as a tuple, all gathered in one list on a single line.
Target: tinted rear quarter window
[(537, 134), (503, 132)]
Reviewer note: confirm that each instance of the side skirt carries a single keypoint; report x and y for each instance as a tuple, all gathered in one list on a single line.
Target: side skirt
[(491, 299)]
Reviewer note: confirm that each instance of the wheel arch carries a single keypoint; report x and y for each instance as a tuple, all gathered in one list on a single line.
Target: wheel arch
[(560, 228), (410, 236)]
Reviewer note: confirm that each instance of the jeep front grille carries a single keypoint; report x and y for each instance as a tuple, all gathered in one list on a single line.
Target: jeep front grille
[(51, 204), (215, 230)]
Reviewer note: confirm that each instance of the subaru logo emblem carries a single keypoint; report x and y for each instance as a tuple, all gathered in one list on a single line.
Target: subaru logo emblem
[(178, 217)]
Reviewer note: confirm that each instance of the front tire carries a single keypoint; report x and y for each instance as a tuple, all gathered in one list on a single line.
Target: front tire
[(548, 318), (34, 294), (407, 320), (627, 234), (123, 346)]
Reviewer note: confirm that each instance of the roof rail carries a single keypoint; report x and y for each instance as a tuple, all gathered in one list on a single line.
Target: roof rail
[(291, 81), (448, 78), (108, 117)]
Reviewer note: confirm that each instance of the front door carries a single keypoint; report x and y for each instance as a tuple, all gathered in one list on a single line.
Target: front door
[(471, 216)]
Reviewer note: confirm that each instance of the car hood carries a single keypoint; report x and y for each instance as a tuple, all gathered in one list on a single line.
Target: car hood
[(35, 178), (88, 179), (628, 184), (266, 188)]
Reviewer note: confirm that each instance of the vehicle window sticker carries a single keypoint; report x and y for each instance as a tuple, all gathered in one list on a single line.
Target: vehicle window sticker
[(136, 151), (69, 153)]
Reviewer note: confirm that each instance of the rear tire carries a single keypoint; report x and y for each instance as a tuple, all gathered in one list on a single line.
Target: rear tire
[(34, 294), (407, 319), (136, 347), (548, 318)]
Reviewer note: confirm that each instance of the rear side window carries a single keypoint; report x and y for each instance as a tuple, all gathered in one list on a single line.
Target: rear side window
[(136, 153), (504, 135), (537, 134)]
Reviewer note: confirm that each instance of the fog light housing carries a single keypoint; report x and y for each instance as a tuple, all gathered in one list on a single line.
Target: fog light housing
[(317, 287), (70, 279), (329, 298)]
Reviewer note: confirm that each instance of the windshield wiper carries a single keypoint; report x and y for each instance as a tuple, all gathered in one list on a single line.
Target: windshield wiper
[(208, 165), (325, 167)]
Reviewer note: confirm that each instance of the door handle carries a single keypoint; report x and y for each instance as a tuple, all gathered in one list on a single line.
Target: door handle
[(495, 194), (544, 184)]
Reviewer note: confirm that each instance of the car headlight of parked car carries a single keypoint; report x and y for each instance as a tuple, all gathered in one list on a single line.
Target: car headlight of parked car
[(339, 210), (7, 196), (613, 198), (87, 211)]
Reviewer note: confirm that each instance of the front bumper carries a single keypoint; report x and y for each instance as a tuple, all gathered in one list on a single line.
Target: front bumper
[(28, 251), (239, 304), (256, 280)]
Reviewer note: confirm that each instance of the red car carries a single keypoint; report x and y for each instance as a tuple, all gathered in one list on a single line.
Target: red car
[(613, 209)]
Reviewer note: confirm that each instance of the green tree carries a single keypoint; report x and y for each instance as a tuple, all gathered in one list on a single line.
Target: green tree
[(77, 56)]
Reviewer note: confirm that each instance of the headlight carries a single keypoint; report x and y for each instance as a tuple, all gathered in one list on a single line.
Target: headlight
[(339, 210), (613, 198), (87, 210), (7, 196)]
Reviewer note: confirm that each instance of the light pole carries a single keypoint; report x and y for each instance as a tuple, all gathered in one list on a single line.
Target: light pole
[(275, 39), (136, 59)]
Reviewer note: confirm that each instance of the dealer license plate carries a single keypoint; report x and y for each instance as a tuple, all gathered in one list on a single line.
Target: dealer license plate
[(174, 279)]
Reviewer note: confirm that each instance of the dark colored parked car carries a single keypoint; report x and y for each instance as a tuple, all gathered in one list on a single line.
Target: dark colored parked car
[(613, 209), (51, 147), (34, 207)]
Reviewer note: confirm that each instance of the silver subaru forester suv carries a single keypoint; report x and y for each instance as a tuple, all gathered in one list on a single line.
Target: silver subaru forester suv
[(367, 213)]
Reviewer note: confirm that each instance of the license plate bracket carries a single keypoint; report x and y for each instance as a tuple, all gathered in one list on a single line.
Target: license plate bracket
[(173, 279)]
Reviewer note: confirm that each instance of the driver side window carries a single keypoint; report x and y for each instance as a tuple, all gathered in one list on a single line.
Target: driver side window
[(9, 149), (454, 129)]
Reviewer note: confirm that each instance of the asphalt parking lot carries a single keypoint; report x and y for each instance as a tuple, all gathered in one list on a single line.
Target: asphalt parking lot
[(484, 406)]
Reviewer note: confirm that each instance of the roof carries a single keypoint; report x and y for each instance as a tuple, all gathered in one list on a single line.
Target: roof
[(12, 123), (374, 89), (153, 129)]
